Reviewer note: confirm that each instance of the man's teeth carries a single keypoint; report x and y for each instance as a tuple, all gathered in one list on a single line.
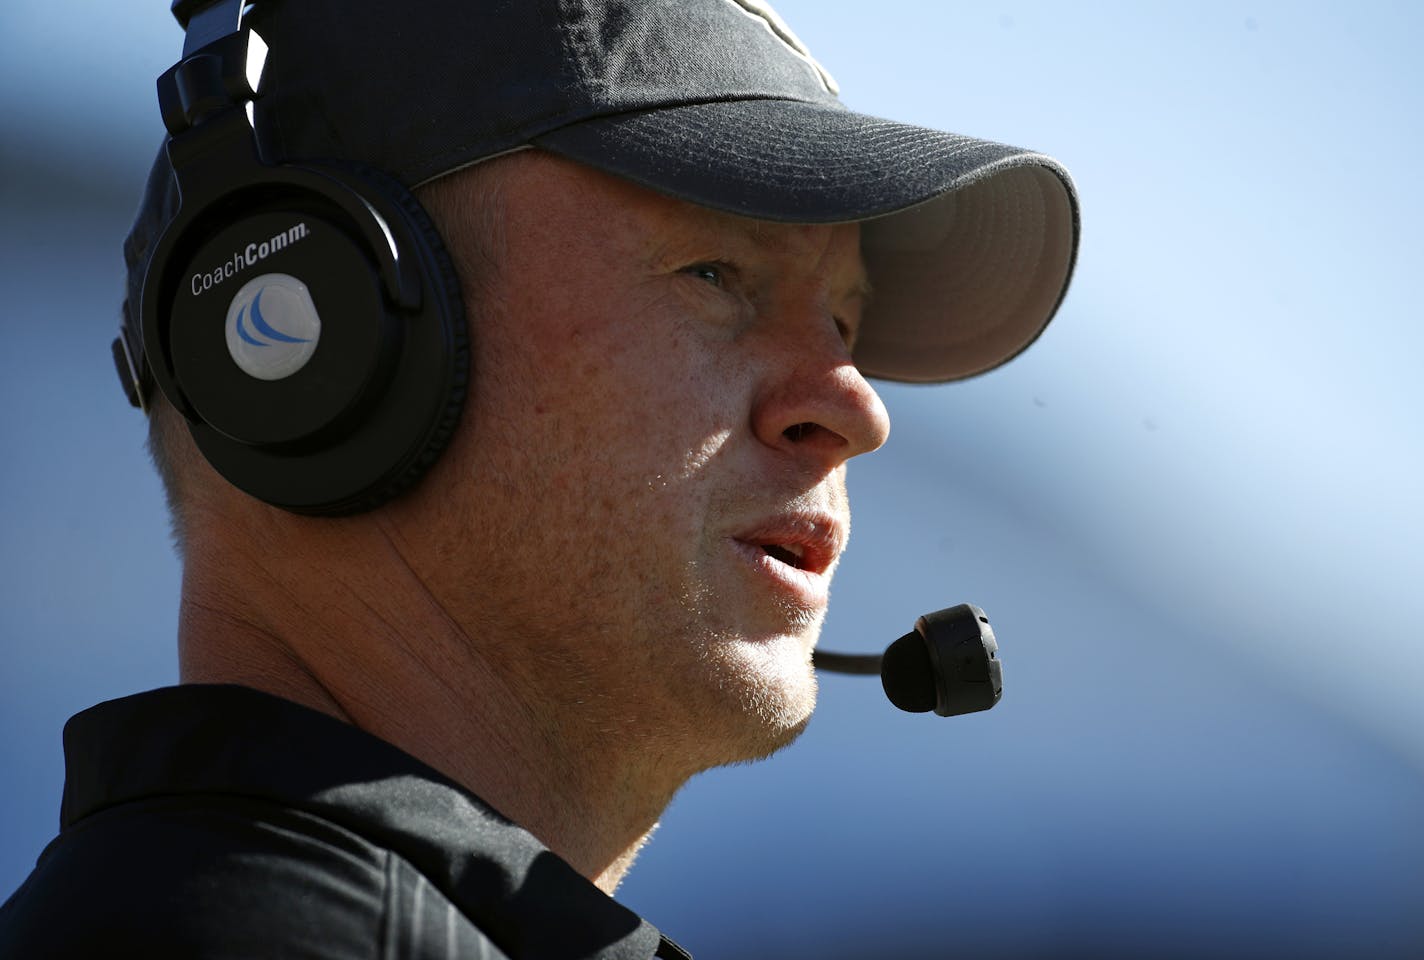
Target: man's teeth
[(788, 554)]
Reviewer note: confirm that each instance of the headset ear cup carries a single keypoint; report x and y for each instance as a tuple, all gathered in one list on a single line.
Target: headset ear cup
[(351, 258), (444, 285)]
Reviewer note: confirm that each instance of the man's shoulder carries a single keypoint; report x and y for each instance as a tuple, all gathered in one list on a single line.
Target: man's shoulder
[(223, 822), (228, 876)]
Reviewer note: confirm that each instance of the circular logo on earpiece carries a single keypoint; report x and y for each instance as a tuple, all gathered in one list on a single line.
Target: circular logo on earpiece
[(272, 326)]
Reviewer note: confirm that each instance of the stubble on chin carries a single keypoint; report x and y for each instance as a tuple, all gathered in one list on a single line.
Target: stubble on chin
[(747, 696)]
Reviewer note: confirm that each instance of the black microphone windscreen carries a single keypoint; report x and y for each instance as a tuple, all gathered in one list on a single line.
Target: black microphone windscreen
[(907, 675)]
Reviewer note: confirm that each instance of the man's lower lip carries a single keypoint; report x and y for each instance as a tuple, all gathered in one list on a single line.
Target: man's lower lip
[(804, 586)]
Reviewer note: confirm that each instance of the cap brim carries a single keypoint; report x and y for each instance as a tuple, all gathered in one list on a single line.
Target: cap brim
[(970, 244)]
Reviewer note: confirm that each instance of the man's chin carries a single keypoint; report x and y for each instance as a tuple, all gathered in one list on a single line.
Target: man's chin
[(767, 693), (776, 736)]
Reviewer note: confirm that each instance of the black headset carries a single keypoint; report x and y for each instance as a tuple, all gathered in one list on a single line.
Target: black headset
[(305, 319)]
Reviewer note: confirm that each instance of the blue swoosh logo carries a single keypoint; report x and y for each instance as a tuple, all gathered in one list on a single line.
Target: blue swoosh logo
[(263, 327)]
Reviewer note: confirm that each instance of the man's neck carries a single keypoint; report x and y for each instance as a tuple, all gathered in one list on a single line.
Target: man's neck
[(364, 642)]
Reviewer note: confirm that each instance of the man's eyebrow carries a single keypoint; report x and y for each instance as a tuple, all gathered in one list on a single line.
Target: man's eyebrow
[(862, 289)]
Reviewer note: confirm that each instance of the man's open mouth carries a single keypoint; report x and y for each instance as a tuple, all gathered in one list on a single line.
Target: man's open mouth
[(792, 556), (809, 543)]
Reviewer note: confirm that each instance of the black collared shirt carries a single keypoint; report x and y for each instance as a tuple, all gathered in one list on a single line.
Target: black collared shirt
[(216, 821)]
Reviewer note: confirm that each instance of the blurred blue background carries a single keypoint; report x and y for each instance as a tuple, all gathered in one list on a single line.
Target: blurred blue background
[(1193, 509)]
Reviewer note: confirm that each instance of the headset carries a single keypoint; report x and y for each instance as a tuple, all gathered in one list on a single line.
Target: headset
[(323, 418), (332, 418)]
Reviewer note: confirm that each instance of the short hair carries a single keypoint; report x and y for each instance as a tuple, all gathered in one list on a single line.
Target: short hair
[(467, 208)]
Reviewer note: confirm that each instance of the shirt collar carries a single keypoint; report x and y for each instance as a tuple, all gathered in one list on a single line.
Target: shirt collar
[(233, 740)]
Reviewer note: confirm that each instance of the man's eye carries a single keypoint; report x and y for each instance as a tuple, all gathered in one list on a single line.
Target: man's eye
[(713, 273)]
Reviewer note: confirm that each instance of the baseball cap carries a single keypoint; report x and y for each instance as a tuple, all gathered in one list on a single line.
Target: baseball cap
[(969, 243)]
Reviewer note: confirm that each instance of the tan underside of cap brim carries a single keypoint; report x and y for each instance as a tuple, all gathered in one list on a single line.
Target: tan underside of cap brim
[(967, 280)]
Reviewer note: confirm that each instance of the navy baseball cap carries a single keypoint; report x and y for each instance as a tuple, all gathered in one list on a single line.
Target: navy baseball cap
[(970, 244)]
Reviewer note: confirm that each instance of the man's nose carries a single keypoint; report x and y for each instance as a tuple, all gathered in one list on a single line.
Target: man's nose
[(817, 404)]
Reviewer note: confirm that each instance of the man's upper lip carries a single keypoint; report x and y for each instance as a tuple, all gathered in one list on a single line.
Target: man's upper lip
[(816, 538)]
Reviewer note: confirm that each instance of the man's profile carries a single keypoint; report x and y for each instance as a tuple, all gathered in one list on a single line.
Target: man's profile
[(502, 365)]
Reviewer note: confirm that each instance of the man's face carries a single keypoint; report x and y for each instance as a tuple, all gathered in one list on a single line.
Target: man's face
[(640, 517)]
